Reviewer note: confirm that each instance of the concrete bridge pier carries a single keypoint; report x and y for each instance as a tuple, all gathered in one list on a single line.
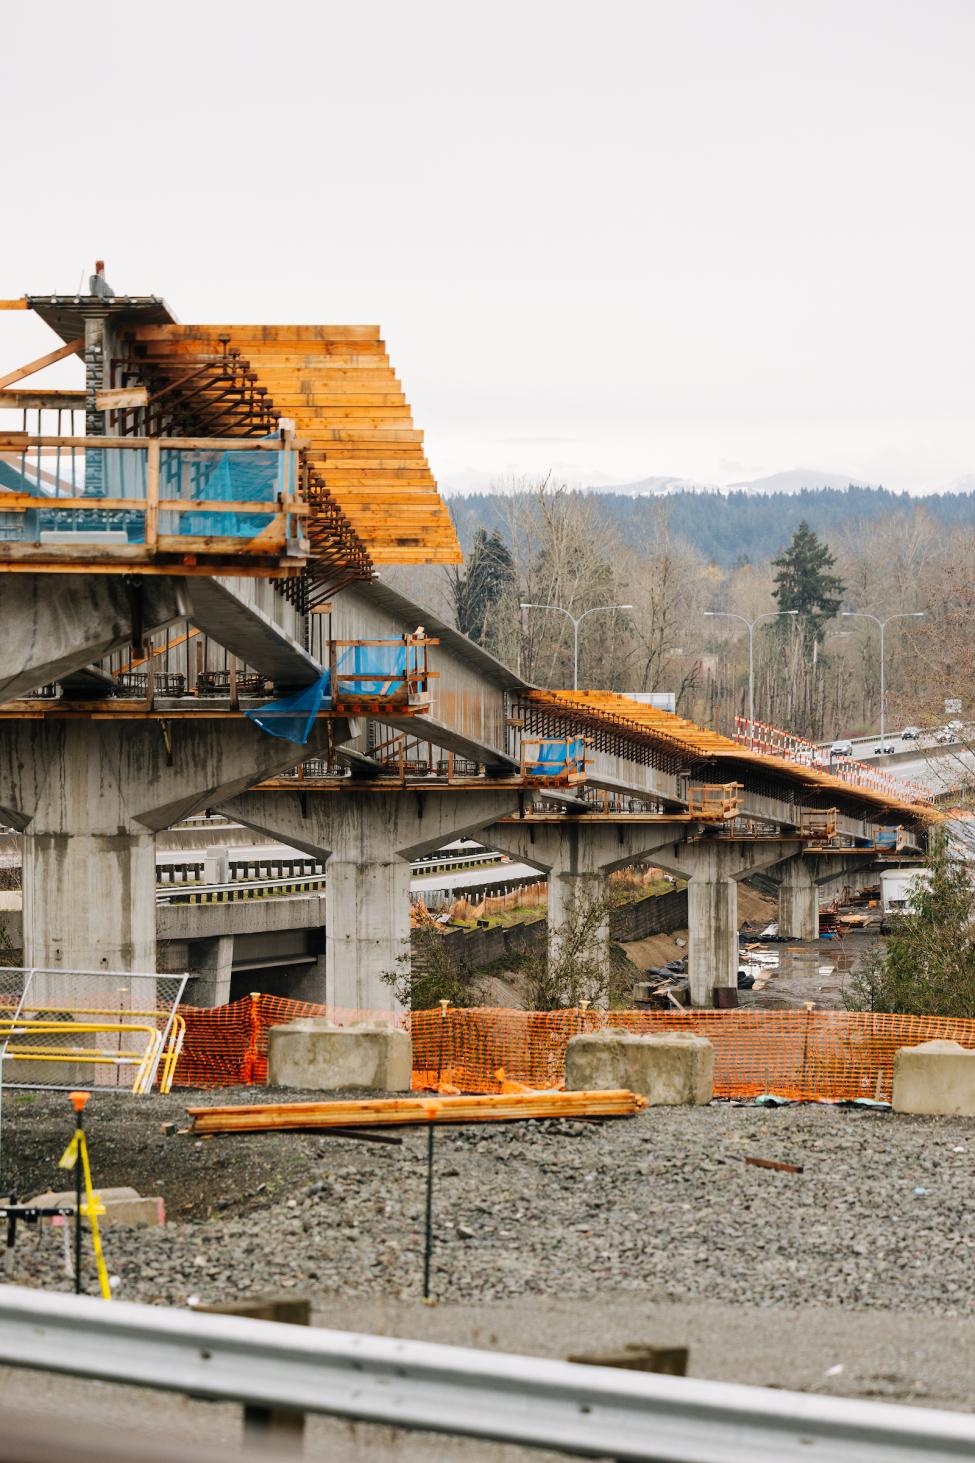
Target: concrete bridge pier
[(713, 867), (802, 878), (88, 798), (369, 839), (577, 856)]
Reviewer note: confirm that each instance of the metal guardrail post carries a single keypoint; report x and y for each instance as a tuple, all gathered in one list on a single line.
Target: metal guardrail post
[(281, 1427)]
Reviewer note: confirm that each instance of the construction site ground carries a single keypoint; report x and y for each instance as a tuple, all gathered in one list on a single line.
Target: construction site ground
[(852, 1277)]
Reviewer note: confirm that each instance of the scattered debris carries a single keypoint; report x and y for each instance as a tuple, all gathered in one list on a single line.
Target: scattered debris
[(779, 1167), (636, 1356)]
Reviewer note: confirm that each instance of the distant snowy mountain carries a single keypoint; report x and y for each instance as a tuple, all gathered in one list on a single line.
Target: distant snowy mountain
[(795, 479)]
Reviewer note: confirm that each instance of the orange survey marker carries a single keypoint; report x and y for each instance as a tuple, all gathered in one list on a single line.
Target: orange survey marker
[(92, 1207)]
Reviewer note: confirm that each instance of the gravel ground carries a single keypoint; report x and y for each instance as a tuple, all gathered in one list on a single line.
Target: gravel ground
[(662, 1207)]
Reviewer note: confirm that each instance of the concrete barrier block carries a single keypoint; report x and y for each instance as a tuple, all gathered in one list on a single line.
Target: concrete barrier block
[(936, 1078), (122, 1206), (321, 1057), (673, 1069)]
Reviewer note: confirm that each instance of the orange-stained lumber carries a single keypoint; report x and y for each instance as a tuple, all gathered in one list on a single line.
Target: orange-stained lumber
[(337, 385), (401, 1111)]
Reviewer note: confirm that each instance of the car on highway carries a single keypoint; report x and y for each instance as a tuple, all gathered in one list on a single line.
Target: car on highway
[(884, 748), (945, 736), (910, 733), (841, 748)]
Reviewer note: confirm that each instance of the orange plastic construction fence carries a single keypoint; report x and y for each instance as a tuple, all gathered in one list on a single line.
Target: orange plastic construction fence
[(794, 1054)]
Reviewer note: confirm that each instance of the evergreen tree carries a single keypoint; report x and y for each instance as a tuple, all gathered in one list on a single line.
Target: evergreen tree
[(804, 583), (928, 965), (477, 592)]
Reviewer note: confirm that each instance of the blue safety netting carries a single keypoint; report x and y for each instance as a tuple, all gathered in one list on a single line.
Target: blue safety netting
[(554, 757), (371, 670), (292, 717)]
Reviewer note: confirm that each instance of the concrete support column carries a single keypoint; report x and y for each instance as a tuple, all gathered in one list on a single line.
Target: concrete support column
[(712, 867), (369, 838), (211, 962), (89, 901), (799, 899), (578, 855), (573, 901), (367, 930), (803, 880), (712, 918)]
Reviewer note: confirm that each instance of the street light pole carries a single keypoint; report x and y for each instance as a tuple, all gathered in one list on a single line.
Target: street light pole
[(576, 622), (865, 615), (730, 615)]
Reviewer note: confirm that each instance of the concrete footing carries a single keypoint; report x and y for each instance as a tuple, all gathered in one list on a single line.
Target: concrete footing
[(672, 1070), (321, 1057), (122, 1206), (936, 1078)]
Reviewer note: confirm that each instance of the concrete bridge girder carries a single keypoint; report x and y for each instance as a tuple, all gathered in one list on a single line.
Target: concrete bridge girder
[(368, 840), (89, 797), (255, 623), (56, 624)]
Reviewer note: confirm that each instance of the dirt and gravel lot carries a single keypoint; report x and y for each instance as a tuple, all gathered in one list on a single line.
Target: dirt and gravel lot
[(662, 1206), (853, 1277)]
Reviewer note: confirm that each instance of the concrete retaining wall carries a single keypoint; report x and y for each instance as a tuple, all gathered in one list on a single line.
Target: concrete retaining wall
[(655, 914)]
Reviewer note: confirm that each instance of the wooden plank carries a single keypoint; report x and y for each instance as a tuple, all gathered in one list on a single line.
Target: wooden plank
[(398, 1111), (17, 501), (27, 400), (220, 505), (152, 495), (72, 347), (122, 398), (207, 444), (20, 304)]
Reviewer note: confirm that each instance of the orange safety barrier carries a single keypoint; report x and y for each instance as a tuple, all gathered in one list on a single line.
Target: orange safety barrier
[(795, 1054)]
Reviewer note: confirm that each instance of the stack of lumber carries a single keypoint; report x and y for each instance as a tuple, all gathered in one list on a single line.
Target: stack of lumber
[(400, 1111)]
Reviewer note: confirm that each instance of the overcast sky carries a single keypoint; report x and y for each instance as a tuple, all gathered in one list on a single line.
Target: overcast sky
[(612, 239)]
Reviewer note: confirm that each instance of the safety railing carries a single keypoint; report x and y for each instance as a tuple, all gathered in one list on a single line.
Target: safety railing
[(52, 1037), (367, 673), (818, 824), (89, 1029), (771, 741), (139, 500), (714, 802), (554, 762)]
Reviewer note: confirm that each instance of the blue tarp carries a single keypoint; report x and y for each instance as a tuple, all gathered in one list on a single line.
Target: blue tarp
[(293, 717), (371, 670), (555, 757), (221, 477)]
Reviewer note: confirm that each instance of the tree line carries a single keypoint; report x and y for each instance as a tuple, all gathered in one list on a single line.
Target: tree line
[(816, 672)]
